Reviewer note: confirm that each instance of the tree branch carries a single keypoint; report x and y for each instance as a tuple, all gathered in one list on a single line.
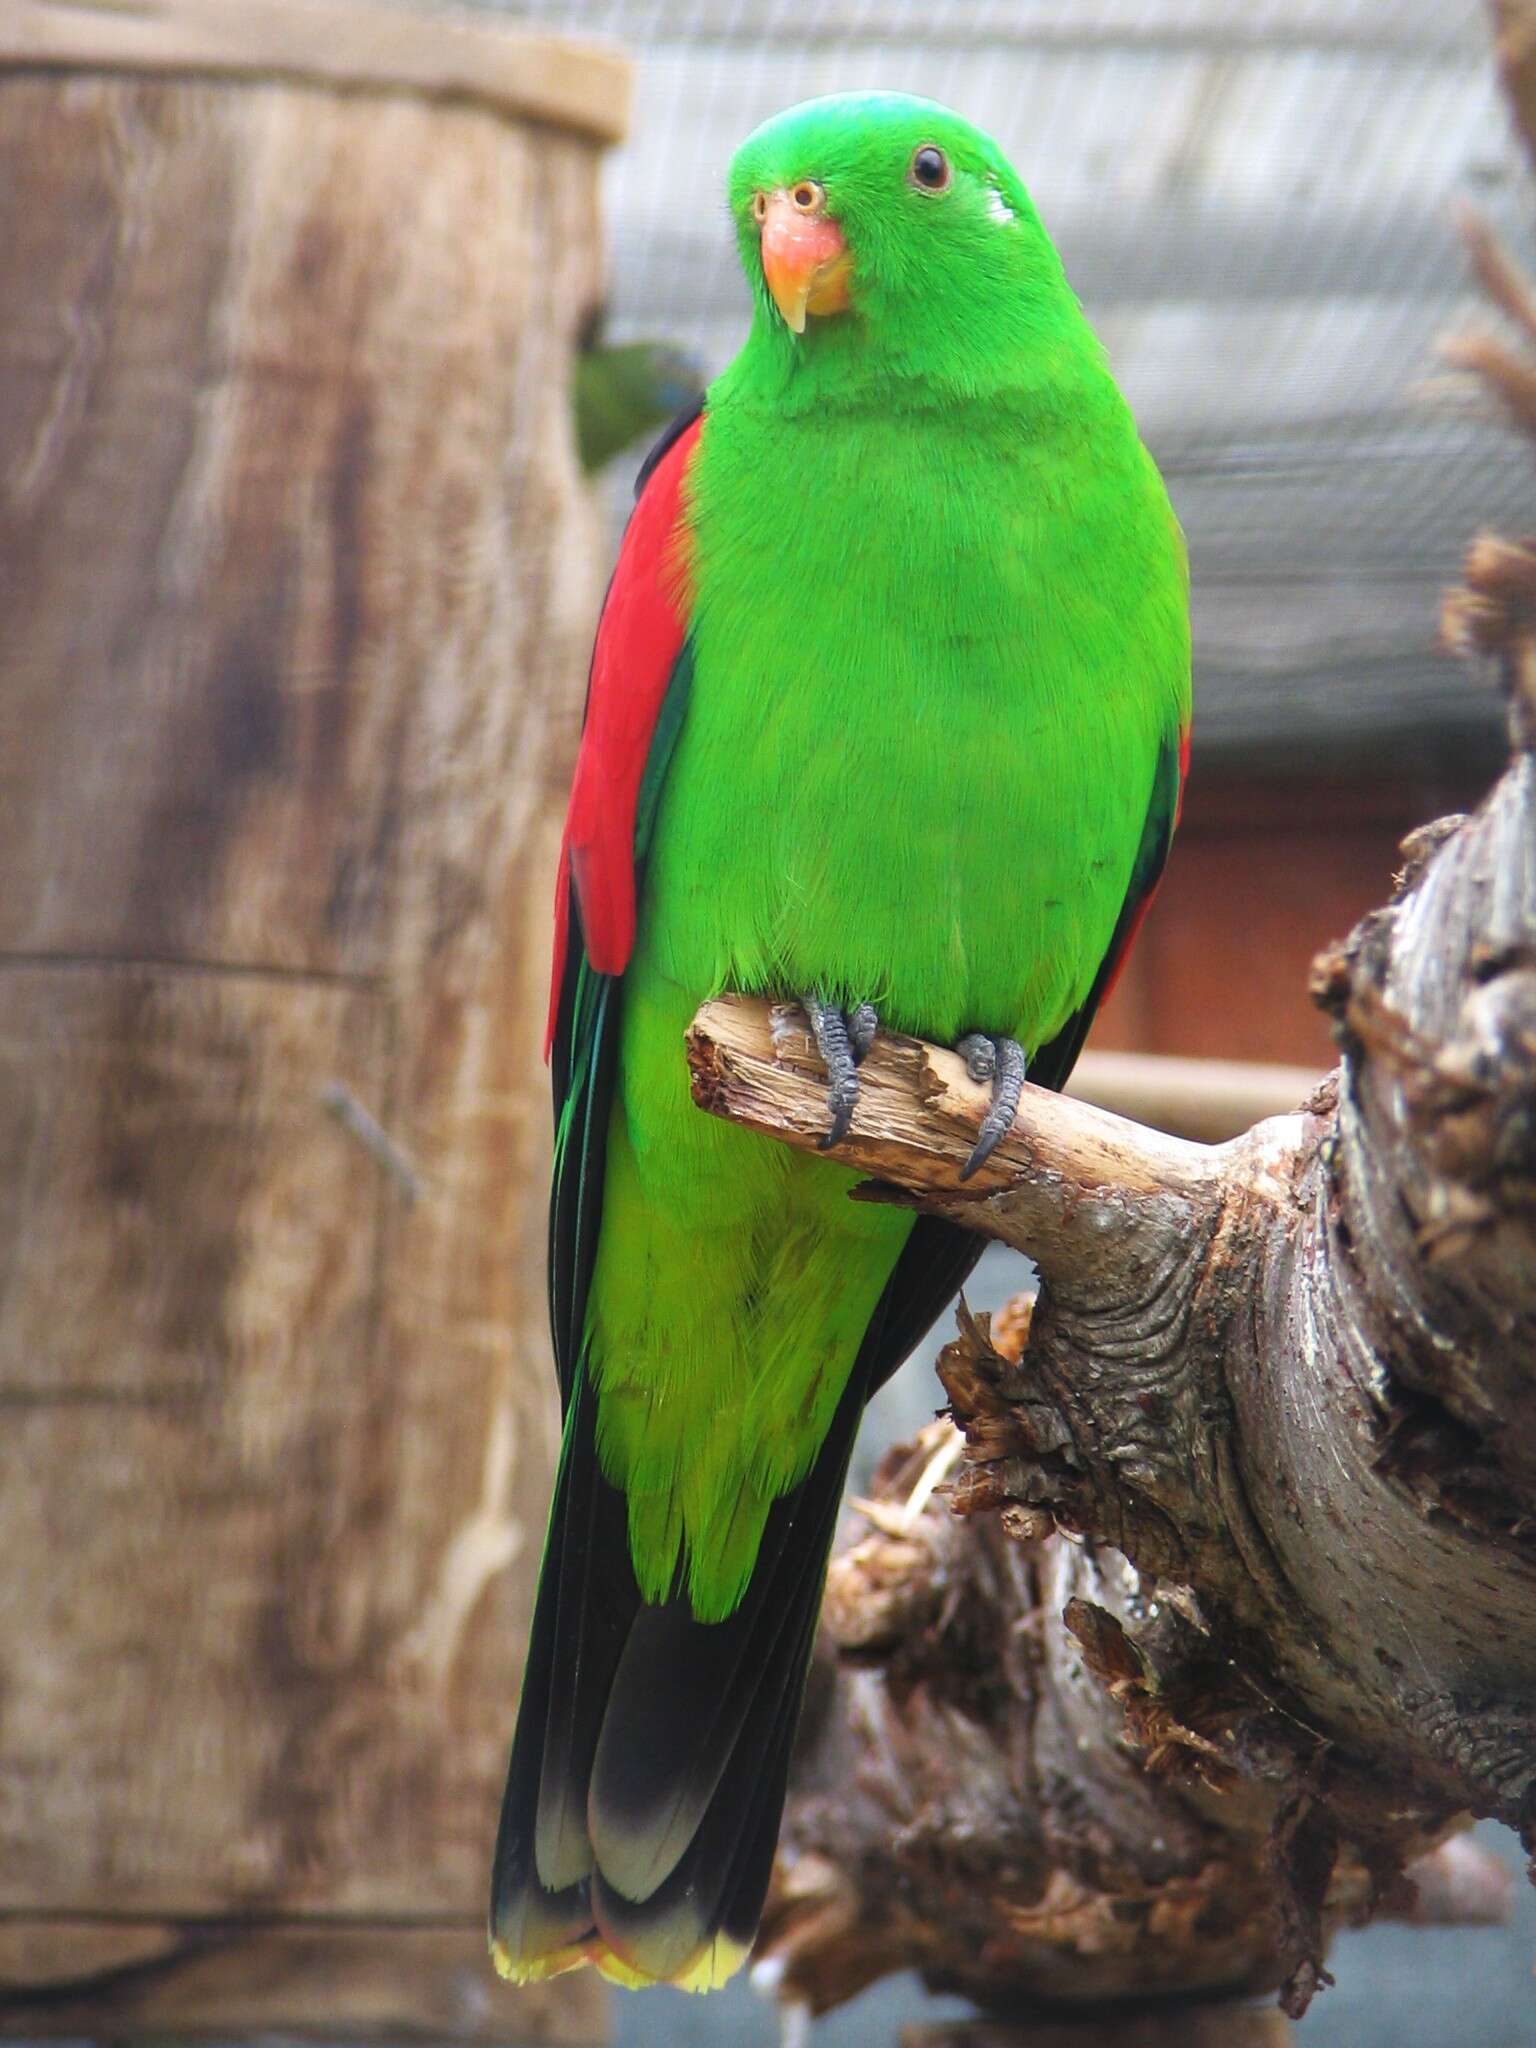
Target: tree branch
[(1066, 1172)]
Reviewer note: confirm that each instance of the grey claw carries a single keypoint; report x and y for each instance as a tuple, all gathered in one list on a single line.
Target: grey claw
[(1003, 1065), (980, 1055), (842, 1040)]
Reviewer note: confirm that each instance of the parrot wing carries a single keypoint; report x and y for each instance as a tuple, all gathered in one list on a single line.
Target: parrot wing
[(636, 697), (541, 1904)]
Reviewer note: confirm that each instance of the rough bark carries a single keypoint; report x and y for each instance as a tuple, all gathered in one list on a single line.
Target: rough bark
[(1209, 2026), (1230, 1612), (297, 575)]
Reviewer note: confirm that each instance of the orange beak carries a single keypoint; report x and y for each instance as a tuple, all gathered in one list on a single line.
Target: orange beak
[(805, 261)]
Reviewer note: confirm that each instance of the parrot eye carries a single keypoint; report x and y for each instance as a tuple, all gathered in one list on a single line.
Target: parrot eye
[(807, 196), (930, 168), (759, 207)]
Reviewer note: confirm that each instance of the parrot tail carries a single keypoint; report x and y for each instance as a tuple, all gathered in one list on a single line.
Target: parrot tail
[(652, 1750)]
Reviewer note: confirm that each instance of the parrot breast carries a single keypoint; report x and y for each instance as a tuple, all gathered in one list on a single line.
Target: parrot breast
[(932, 676)]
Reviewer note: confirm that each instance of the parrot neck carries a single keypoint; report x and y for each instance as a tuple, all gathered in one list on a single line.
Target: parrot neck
[(1032, 369), (1024, 347)]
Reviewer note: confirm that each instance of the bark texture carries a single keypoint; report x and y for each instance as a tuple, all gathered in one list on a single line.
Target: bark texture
[(297, 574), (1229, 1614), (1207, 2026)]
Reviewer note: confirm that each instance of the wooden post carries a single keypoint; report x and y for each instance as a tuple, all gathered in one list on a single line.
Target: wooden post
[(297, 578)]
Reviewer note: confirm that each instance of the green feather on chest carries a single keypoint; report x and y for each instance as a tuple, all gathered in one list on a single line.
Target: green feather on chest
[(914, 653)]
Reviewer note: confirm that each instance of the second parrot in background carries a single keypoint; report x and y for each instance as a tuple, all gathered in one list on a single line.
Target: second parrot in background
[(625, 390)]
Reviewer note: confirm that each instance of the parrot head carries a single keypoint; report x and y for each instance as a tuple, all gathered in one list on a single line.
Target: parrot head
[(892, 225)]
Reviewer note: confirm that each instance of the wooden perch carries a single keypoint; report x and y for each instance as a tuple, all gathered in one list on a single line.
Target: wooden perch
[(1280, 1394), (916, 1123), (1191, 1098)]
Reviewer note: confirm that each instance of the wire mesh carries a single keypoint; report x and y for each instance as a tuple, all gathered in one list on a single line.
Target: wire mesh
[(1257, 206)]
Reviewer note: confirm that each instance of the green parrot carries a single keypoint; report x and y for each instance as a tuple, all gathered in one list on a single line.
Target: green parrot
[(622, 390), (888, 713)]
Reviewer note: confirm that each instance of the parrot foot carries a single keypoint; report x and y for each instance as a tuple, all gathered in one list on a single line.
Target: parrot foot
[(1000, 1061), (843, 1038)]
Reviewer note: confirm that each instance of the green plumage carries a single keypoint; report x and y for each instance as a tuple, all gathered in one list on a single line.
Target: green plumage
[(921, 750)]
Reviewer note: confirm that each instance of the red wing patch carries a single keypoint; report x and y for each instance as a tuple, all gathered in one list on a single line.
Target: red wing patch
[(639, 637)]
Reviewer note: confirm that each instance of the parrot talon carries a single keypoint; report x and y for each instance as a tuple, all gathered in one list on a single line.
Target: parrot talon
[(1000, 1061), (863, 1023), (842, 1040), (980, 1055)]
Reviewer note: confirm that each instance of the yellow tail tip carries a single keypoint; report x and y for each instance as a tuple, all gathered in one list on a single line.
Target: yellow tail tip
[(534, 1969), (713, 1966)]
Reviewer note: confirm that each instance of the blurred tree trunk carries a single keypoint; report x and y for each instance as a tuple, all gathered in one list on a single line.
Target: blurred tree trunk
[(298, 575)]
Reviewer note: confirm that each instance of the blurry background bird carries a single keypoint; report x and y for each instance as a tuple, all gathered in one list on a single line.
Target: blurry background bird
[(624, 391)]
